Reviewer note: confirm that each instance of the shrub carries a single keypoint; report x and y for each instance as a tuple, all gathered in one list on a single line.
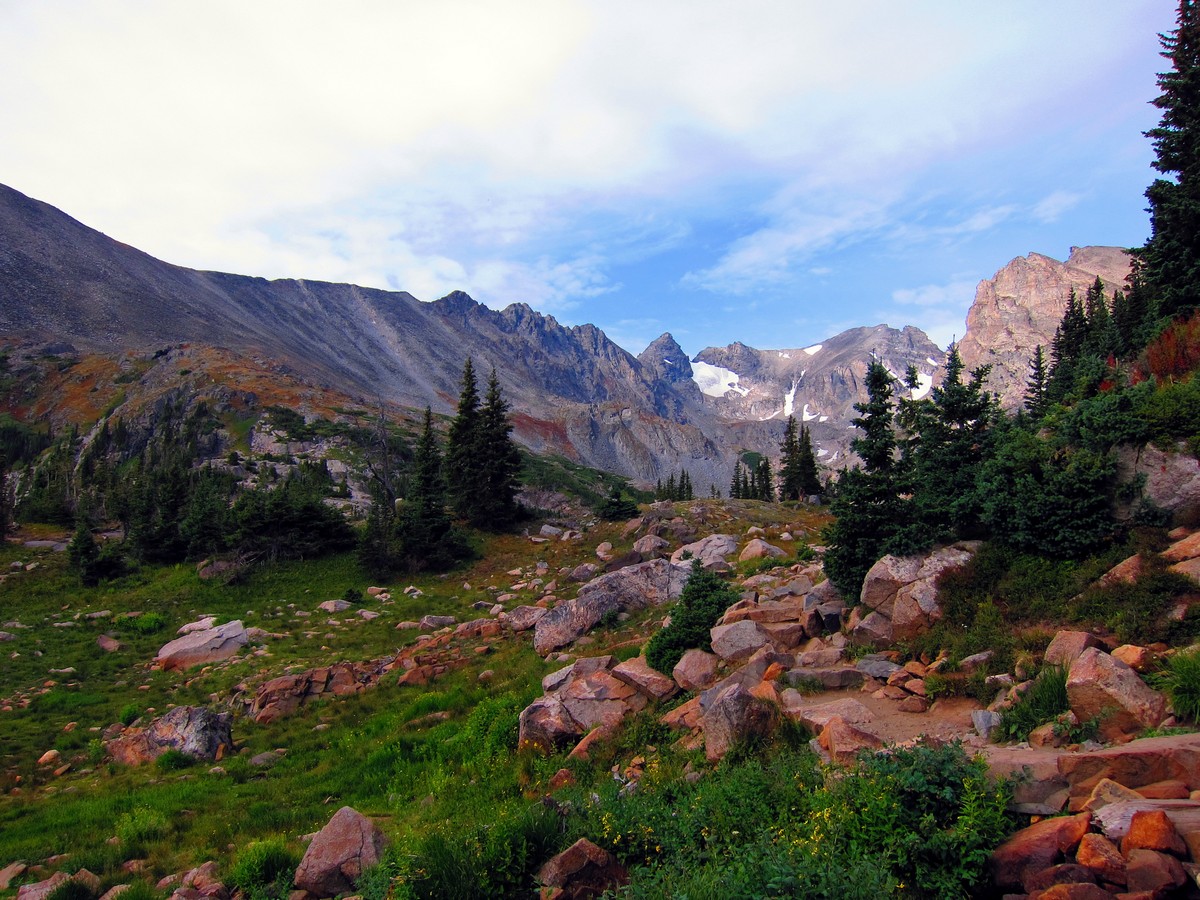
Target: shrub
[(146, 623), (129, 714), (139, 826), (264, 868), (705, 597), (72, 890), (1180, 681), (1045, 699), (174, 760)]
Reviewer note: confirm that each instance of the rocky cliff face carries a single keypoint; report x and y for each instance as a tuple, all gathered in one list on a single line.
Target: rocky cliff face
[(1021, 306)]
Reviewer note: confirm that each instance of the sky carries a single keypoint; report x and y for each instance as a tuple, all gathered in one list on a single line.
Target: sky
[(766, 171)]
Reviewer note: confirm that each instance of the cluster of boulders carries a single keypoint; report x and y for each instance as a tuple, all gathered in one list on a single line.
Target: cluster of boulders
[(1141, 841)]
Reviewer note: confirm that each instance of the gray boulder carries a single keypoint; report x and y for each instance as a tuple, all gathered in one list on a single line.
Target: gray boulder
[(202, 647), (349, 844)]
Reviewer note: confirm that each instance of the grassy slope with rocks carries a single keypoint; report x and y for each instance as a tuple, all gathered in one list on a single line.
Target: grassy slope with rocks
[(410, 756)]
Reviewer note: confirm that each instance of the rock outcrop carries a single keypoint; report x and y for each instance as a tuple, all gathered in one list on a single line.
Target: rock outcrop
[(196, 731), (203, 646), (899, 594), (1021, 306)]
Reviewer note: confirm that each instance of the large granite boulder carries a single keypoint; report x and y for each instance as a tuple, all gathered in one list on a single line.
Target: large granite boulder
[(201, 647), (900, 593), (1101, 687), (712, 551), (634, 587), (196, 731), (349, 844), (734, 715)]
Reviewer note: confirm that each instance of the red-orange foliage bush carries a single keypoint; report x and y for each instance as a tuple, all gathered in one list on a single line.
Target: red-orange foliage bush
[(1176, 351)]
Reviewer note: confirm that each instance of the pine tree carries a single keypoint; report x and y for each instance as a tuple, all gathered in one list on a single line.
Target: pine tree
[(1035, 387), (735, 484), (498, 462), (84, 555), (463, 478), (671, 492), (868, 503), (1067, 349), (425, 533), (791, 479), (1170, 259), (810, 476), (765, 481), (6, 498), (1101, 337)]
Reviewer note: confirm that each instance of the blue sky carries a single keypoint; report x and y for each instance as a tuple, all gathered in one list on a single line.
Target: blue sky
[(769, 172)]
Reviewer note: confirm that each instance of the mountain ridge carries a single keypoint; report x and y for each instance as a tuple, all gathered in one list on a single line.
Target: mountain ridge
[(574, 390)]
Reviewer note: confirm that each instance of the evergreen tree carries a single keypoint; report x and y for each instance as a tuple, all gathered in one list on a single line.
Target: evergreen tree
[(1067, 349), (685, 485), (498, 463), (868, 503), (84, 555), (735, 484), (810, 476), (463, 475), (1035, 388), (671, 491), (6, 498), (426, 536), (1170, 259), (949, 439), (791, 478), (1101, 337), (765, 481)]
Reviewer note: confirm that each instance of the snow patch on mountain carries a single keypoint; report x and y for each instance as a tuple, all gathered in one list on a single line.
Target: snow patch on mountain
[(716, 381), (814, 349), (924, 384)]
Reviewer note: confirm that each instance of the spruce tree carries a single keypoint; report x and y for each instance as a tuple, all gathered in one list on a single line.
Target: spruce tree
[(765, 481), (810, 476), (1170, 259), (425, 533), (463, 447), (498, 462), (1035, 388), (735, 484), (791, 479), (868, 504)]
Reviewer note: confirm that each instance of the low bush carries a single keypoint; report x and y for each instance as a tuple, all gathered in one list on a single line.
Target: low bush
[(138, 827), (705, 597), (264, 869), (1179, 679), (1045, 699)]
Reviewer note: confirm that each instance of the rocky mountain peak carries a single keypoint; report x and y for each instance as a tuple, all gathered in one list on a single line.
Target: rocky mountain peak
[(665, 360), (1021, 306)]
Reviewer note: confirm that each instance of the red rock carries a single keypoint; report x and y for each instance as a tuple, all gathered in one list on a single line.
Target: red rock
[(583, 750), (195, 731), (733, 715), (1149, 870), (1072, 892), (636, 673), (599, 698), (1151, 829), (1099, 686), (1067, 646), (1176, 757), (1101, 855), (581, 872), (1063, 873), (1037, 847), (561, 779), (1140, 659), (685, 716), (843, 741), (40, 890), (337, 856), (1184, 549), (547, 725), (1170, 789)]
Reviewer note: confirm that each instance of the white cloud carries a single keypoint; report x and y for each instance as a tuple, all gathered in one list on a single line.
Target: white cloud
[(939, 310), (1051, 207), (461, 144)]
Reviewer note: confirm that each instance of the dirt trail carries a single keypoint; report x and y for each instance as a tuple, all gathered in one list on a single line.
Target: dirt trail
[(948, 718)]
